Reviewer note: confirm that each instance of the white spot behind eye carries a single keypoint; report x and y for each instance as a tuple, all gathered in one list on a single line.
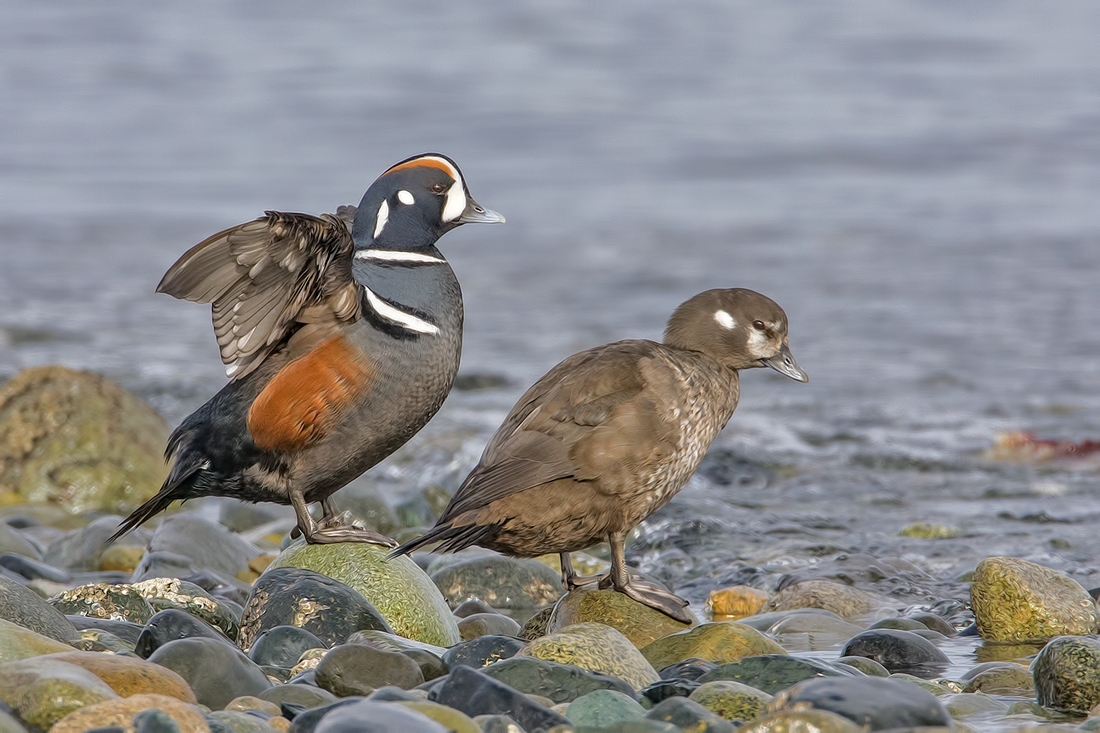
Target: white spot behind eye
[(725, 320), (405, 197), (456, 202), (382, 217)]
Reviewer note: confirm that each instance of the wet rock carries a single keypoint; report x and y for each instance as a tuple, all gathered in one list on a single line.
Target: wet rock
[(249, 702), (689, 669), (32, 569), (723, 641), (43, 691), (561, 683), (842, 600), (122, 712), (771, 672), (431, 665), (482, 651), (637, 622), (26, 608), (355, 669), (122, 558), (689, 715), (867, 701), (77, 441), (936, 688), (449, 718), (207, 544), (735, 602), (1067, 673), (934, 622), (162, 565), (12, 542), (813, 631), (664, 688), (1002, 679), (232, 721), (368, 716), (926, 531), (171, 625), (397, 588), (867, 666), (602, 708), (965, 705), (597, 648), (103, 600), (97, 640), (1016, 600), (731, 700), (282, 646), (901, 624), (898, 651), (504, 583), (18, 642), (81, 550), (801, 721), (304, 696), (472, 607), (535, 626), (165, 593), (485, 624), (128, 675), (476, 693), (215, 670)]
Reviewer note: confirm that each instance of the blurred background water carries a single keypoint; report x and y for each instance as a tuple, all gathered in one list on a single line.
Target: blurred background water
[(915, 182)]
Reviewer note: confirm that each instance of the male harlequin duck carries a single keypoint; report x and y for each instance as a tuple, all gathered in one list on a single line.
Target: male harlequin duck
[(610, 435), (341, 343)]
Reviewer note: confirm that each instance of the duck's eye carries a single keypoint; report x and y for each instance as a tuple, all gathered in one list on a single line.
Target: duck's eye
[(438, 188), (758, 325)]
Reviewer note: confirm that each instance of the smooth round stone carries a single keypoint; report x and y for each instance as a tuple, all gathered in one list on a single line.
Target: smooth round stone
[(13, 542), (866, 666), (934, 622), (603, 707), (404, 595), (244, 703), (801, 721), (689, 669), (867, 701), (561, 683), (368, 716), (843, 600), (1002, 679), (282, 646), (1067, 673), (305, 696), (102, 600), (472, 607), (164, 593), (163, 565), (431, 666), (1017, 600), (128, 675), (505, 583), (664, 689), (235, 721), (636, 621), (482, 651), (597, 648), (724, 641), (771, 672), (453, 720), (735, 602), (43, 691), (812, 632), (81, 550), (731, 700), (901, 624), (129, 712), (476, 693), (898, 651), (207, 544), (392, 642), (326, 608), (354, 669), (965, 705), (30, 568), (689, 715), (216, 671), (22, 606), (485, 624), (17, 642), (97, 640), (128, 631), (171, 625)]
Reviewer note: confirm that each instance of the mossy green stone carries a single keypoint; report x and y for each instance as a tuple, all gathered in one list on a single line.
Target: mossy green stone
[(602, 708), (722, 641), (770, 672), (869, 667), (731, 700), (637, 622), (597, 648), (925, 531), (102, 600), (1017, 600), (801, 721), (1008, 679), (1067, 673), (45, 691), (402, 592), (449, 718), (17, 642)]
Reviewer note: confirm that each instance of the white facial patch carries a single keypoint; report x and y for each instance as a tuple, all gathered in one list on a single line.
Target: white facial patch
[(397, 316), (405, 197), (381, 218), (456, 202), (392, 255), (725, 320), (759, 345)]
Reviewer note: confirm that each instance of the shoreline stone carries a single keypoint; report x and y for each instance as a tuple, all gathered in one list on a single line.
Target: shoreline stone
[(1018, 601)]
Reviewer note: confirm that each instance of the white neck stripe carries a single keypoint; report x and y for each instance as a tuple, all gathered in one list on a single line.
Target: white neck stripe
[(393, 255), (399, 317)]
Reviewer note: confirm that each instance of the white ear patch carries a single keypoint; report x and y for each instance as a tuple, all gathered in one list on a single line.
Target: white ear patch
[(725, 320), (405, 197), (381, 218), (456, 202)]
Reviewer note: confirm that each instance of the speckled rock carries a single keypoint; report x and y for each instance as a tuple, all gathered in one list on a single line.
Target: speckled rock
[(475, 693), (801, 721), (482, 651), (723, 641), (405, 596), (843, 600), (505, 583), (689, 715), (121, 712), (164, 593), (451, 719), (78, 441), (1017, 600), (735, 602), (291, 596), (103, 600), (486, 624), (898, 651), (23, 606), (81, 550), (356, 669), (45, 691), (216, 671), (602, 708), (637, 622), (535, 626), (207, 544), (17, 642), (561, 683), (1004, 678), (597, 648), (771, 672), (731, 700), (870, 701), (1067, 673), (128, 675)]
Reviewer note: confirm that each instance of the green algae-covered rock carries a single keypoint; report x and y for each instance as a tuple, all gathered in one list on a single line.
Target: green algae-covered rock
[(594, 647), (771, 672), (801, 721), (603, 707), (1067, 673), (449, 718), (637, 622), (731, 700), (17, 642), (925, 531), (843, 600), (43, 691), (162, 593), (103, 600), (1017, 600), (561, 683), (536, 625), (505, 583), (23, 606), (78, 441), (402, 592), (1002, 679), (721, 641)]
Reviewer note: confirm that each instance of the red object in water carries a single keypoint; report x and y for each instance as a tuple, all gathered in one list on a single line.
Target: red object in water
[(1020, 445)]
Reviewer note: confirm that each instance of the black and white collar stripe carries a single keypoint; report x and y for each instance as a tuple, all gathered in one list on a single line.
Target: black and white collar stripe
[(389, 312), (397, 256)]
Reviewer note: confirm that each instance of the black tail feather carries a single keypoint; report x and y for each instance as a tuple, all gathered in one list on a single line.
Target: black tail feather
[(449, 537), (174, 487)]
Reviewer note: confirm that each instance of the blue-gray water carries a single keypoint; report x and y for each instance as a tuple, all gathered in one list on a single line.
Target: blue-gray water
[(915, 182)]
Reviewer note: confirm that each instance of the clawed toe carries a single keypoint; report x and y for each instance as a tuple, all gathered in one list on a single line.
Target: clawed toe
[(333, 531), (650, 595)]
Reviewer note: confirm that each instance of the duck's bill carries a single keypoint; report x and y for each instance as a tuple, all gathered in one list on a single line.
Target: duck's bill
[(784, 363), (475, 213)]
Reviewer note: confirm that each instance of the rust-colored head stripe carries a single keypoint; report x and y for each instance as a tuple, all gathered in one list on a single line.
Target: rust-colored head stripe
[(427, 161)]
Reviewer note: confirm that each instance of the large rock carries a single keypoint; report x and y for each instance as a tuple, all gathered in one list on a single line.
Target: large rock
[(103, 600), (128, 675), (18, 642), (11, 540), (1067, 673), (505, 583), (1001, 678), (120, 713), (402, 592), (356, 669), (23, 606), (637, 622), (487, 624), (772, 673), (898, 651), (216, 671), (558, 682), (843, 600), (877, 703), (482, 651), (43, 691), (475, 693), (170, 625), (1017, 600), (207, 544), (283, 646), (603, 708), (723, 641), (731, 700), (166, 593), (81, 550), (597, 648), (78, 441)]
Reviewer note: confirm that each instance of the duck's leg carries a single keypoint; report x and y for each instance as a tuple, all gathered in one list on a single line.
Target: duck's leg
[(332, 528), (649, 594), (569, 577)]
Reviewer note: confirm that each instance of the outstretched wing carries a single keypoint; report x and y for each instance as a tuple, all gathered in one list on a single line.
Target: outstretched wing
[(265, 279)]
